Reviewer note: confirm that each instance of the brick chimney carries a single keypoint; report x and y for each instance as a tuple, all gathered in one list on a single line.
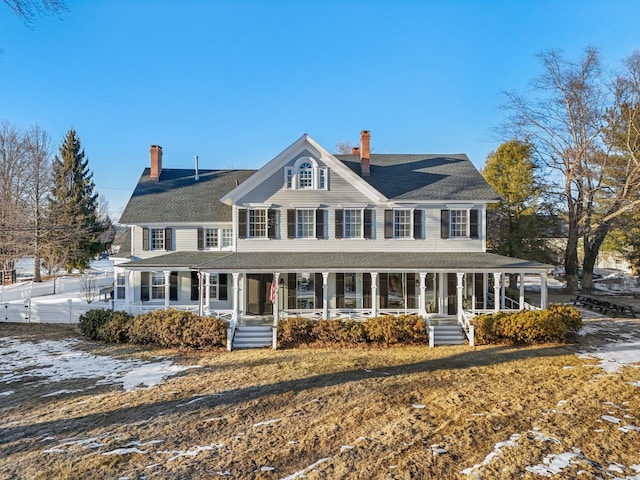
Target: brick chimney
[(156, 162), (365, 153), (355, 150)]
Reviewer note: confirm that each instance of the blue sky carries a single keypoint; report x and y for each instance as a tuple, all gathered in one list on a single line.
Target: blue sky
[(236, 82)]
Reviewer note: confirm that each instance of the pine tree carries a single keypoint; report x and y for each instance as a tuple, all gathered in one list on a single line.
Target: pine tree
[(73, 218)]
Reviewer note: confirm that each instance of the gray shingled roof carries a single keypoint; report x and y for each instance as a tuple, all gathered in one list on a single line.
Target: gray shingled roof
[(178, 197), (424, 177), (341, 261)]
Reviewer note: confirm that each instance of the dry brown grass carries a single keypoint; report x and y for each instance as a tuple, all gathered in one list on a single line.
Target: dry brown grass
[(264, 414)]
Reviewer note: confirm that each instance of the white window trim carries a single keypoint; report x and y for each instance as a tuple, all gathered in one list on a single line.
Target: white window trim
[(467, 235), (213, 276), (410, 236), (313, 223), (220, 246), (151, 238), (292, 177), (344, 224), (266, 223)]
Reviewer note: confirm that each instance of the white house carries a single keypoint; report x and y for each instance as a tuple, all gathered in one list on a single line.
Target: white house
[(315, 234)]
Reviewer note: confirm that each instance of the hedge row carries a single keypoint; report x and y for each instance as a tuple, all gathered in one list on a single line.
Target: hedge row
[(383, 330), (554, 324), (165, 328)]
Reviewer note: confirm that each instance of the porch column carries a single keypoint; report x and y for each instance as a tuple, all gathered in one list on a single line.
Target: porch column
[(325, 295), (200, 283), (374, 294), (276, 296), (459, 290), (207, 291), (544, 292), (521, 299), (236, 296), (167, 288), (473, 293), (496, 292), (128, 288), (423, 295)]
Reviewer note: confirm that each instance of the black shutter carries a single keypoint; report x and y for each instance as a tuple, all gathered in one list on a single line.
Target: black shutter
[(366, 290), (383, 289), (417, 224), (368, 223), (291, 290), (411, 290), (339, 223), (444, 223), (291, 223), (388, 224), (317, 290), (223, 286), (320, 223), (272, 223), (168, 239), (144, 286), (201, 239), (173, 287), (145, 239), (195, 286), (242, 223), (473, 223), (339, 290)]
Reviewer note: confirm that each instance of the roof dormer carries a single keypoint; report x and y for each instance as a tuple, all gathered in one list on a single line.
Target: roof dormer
[(306, 174)]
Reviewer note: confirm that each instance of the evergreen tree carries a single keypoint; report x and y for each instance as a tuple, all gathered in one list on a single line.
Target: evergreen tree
[(74, 223), (517, 225)]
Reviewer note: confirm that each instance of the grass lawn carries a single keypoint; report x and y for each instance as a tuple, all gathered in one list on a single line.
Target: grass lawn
[(493, 412)]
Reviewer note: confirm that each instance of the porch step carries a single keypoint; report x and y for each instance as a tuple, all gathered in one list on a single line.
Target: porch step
[(449, 335), (252, 337)]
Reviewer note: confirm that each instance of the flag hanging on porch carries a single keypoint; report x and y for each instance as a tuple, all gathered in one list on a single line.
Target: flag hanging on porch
[(272, 293)]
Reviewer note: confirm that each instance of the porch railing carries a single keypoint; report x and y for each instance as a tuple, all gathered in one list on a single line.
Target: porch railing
[(469, 329)]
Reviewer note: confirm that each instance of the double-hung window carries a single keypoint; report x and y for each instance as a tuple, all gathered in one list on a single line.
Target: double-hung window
[(156, 238), (211, 238), (402, 224), (305, 175), (352, 223), (213, 286), (157, 286), (458, 224), (305, 223), (257, 223), (120, 286), (227, 237)]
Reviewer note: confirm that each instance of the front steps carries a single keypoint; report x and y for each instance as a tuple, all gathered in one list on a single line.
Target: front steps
[(447, 333), (253, 337)]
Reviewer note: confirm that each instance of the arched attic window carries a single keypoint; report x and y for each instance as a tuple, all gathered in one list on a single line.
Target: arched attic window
[(305, 174)]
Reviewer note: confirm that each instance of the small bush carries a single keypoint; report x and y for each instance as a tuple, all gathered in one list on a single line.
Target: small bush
[(390, 329), (295, 331), (116, 330), (91, 322), (569, 315)]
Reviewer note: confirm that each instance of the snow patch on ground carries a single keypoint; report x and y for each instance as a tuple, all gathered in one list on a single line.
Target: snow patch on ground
[(51, 361)]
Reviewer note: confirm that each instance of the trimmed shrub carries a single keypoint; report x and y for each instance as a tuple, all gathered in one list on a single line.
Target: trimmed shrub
[(116, 330), (528, 326), (91, 322), (295, 331), (178, 328), (384, 330)]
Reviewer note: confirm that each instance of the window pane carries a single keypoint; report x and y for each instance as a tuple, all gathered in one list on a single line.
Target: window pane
[(211, 238), (227, 237), (258, 223), (402, 223), (458, 223), (157, 239), (304, 291), (353, 290), (396, 290), (306, 221), (213, 286), (353, 223), (305, 175), (157, 286)]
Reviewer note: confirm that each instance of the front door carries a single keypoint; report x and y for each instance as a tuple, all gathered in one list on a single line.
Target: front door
[(258, 288)]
